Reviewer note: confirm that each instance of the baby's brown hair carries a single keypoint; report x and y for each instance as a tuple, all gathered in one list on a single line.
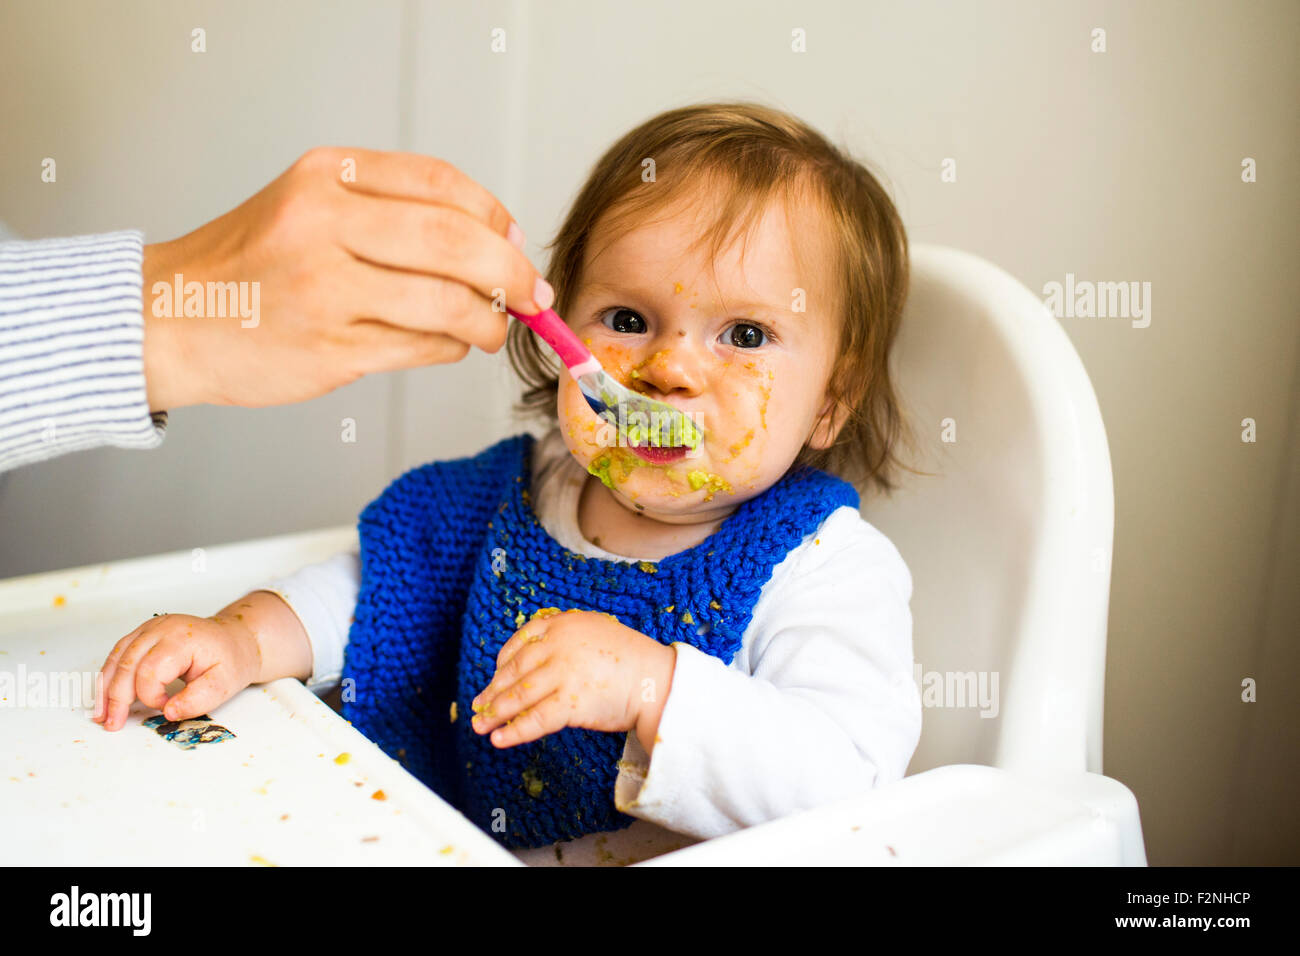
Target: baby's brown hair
[(752, 153)]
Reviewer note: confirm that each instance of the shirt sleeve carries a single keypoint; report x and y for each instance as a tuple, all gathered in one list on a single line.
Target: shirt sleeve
[(829, 707), (324, 596), (72, 347)]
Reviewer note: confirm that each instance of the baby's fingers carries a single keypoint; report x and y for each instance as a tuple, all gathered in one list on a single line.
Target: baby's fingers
[(169, 659), (209, 691), (546, 717), (119, 688), (106, 672), (531, 633), (531, 657), (529, 690)]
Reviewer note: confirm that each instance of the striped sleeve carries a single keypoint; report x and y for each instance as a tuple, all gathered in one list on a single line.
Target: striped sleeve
[(72, 347)]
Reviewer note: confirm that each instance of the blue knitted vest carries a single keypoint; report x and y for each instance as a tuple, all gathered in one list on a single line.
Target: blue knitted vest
[(454, 560)]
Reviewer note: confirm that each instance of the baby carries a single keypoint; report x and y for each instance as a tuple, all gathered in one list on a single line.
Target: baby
[(562, 634)]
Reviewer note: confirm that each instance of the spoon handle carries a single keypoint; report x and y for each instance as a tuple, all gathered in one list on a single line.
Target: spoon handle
[(576, 357)]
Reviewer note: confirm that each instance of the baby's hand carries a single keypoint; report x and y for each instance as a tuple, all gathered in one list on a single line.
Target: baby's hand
[(575, 669), (217, 657)]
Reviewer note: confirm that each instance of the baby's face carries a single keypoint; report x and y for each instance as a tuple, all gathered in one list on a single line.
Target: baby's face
[(740, 358)]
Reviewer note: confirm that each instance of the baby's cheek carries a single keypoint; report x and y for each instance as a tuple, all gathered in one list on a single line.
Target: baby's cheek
[(576, 417), (743, 435), (577, 420)]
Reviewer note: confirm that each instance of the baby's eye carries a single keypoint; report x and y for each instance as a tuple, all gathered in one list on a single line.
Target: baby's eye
[(625, 320), (747, 336)]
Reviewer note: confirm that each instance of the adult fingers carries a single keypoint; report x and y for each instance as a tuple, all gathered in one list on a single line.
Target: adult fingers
[(423, 303), (443, 241), (414, 176), (380, 347)]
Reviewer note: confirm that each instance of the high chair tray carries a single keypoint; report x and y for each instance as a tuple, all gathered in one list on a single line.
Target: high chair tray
[(296, 785)]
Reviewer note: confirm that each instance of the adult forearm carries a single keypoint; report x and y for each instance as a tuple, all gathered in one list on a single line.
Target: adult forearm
[(70, 347)]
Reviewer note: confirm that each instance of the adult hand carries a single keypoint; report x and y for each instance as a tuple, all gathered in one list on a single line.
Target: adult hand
[(396, 266)]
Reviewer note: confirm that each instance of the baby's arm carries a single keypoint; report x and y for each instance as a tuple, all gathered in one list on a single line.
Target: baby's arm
[(324, 596), (829, 707)]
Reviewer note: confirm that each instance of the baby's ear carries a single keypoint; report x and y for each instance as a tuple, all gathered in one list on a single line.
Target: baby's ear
[(843, 392), (830, 419)]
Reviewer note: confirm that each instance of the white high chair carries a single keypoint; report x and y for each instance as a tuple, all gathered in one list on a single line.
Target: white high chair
[(1008, 543)]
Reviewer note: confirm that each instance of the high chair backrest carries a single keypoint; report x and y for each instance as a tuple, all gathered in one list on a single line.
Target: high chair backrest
[(1009, 543)]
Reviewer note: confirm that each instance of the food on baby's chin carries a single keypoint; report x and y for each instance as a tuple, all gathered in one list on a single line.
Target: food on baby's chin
[(614, 465), (703, 479)]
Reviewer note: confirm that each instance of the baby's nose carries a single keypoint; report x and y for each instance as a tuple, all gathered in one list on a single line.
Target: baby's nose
[(672, 370)]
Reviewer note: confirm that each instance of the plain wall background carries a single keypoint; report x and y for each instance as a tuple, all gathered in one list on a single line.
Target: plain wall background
[(1117, 166)]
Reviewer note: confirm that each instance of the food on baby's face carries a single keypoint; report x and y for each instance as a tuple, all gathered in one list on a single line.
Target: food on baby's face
[(738, 448), (642, 423), (613, 466), (701, 479), (660, 430), (734, 456)]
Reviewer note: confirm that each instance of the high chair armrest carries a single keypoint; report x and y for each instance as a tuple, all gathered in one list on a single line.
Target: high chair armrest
[(958, 815)]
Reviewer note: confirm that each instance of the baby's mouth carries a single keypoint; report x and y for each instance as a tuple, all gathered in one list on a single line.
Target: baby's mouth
[(661, 455)]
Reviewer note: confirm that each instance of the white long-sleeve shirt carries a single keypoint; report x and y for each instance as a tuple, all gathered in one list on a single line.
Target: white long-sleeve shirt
[(819, 703), (72, 347)]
